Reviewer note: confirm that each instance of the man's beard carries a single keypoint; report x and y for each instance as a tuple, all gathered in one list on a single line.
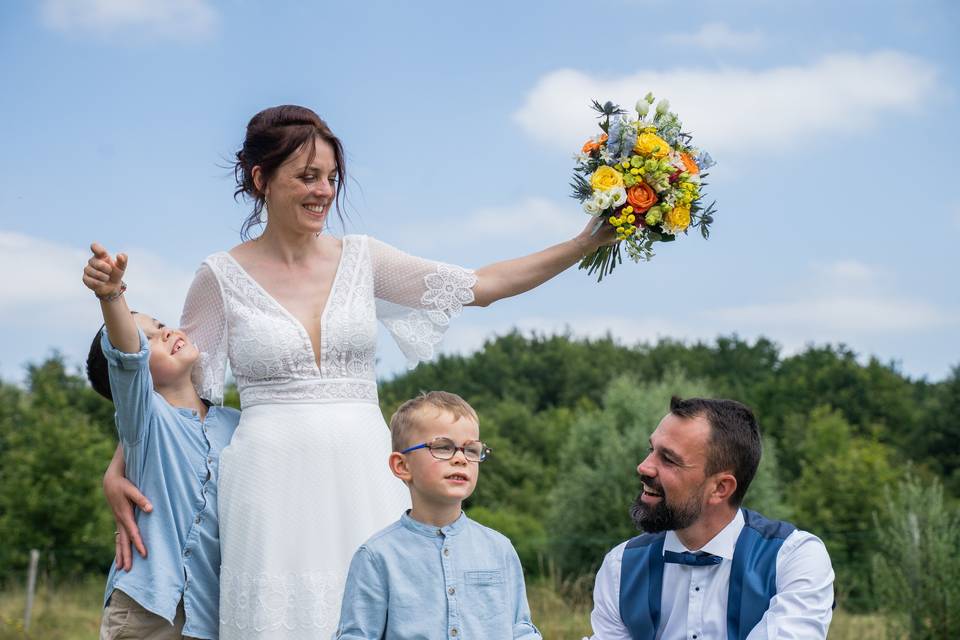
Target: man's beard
[(663, 516)]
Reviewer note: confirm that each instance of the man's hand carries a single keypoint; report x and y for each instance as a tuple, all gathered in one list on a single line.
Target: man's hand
[(123, 496), (103, 274)]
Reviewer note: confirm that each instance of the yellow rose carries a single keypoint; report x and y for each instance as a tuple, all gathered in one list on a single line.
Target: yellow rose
[(678, 219), (605, 178), (650, 144)]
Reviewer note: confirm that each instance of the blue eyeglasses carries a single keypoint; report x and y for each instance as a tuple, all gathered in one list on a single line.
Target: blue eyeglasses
[(444, 448)]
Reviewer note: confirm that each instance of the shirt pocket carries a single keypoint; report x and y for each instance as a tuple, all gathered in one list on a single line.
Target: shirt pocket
[(485, 590)]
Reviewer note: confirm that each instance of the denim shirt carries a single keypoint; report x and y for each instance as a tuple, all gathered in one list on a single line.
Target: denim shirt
[(172, 456), (419, 582)]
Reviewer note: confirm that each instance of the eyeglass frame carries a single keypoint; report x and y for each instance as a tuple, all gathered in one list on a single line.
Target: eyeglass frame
[(485, 453)]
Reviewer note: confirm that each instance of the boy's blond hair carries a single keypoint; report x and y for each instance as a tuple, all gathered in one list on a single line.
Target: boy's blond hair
[(404, 419)]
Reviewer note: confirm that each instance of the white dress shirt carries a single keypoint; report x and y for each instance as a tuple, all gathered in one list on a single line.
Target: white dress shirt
[(694, 599)]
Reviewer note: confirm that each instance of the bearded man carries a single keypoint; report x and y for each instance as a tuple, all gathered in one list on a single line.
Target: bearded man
[(705, 568)]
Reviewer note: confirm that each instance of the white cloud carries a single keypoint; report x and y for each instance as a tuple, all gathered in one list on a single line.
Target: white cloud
[(733, 110), (847, 300), (176, 19), (515, 223), (48, 291), (830, 316), (716, 36), (472, 333), (548, 220), (848, 271)]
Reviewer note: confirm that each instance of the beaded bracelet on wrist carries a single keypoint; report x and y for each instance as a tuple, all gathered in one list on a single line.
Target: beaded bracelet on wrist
[(110, 297)]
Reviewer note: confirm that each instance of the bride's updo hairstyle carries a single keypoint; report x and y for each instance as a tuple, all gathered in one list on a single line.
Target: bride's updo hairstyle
[(272, 136)]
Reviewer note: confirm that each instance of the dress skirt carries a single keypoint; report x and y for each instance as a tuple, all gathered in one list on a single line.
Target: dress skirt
[(301, 487)]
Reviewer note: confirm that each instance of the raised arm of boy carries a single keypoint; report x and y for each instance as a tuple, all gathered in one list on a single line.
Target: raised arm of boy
[(104, 276)]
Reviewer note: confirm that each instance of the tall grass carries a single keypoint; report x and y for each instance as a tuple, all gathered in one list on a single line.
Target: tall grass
[(560, 608), (66, 612)]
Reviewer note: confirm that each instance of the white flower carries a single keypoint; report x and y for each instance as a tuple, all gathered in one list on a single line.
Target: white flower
[(663, 106), (617, 195), (643, 108), (590, 206)]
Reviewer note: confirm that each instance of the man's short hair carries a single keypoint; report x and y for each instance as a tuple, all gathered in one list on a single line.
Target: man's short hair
[(404, 419), (734, 443)]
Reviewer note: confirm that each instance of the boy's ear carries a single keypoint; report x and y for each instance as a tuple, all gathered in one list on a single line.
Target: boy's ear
[(398, 466)]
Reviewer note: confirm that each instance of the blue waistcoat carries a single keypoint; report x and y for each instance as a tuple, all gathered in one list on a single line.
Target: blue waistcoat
[(753, 578)]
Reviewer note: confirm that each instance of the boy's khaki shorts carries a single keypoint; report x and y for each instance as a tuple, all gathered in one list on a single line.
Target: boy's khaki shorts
[(124, 618)]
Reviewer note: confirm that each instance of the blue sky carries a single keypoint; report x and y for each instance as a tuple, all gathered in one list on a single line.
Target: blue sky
[(834, 127)]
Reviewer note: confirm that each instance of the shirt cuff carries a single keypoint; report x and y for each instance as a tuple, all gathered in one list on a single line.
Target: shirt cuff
[(123, 360)]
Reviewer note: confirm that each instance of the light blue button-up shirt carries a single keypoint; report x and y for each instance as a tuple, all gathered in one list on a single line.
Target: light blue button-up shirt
[(172, 456), (419, 582)]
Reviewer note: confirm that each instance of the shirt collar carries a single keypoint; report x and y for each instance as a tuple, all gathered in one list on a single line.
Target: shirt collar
[(721, 544), (432, 531)]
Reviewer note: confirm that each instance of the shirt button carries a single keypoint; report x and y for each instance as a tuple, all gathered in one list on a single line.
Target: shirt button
[(439, 532), (209, 460), (454, 632), (696, 589), (187, 553), (198, 519), (446, 551), (451, 591)]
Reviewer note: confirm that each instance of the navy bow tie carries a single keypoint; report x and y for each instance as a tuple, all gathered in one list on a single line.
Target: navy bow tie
[(693, 559)]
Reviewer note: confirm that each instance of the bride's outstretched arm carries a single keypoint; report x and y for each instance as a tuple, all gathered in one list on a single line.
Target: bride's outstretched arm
[(511, 277)]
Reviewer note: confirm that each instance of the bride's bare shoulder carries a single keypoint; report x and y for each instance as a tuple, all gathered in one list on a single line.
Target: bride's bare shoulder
[(243, 249)]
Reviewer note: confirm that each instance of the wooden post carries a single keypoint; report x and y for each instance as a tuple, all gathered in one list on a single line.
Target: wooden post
[(31, 587)]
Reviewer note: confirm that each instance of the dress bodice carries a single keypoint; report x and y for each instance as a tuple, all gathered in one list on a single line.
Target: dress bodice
[(233, 319)]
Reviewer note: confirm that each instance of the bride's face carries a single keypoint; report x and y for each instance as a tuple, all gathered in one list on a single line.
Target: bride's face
[(300, 193)]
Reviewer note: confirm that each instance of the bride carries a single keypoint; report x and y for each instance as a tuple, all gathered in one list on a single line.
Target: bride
[(294, 312)]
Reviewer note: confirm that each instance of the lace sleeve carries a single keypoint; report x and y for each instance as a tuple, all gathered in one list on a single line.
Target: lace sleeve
[(417, 298), (204, 321)]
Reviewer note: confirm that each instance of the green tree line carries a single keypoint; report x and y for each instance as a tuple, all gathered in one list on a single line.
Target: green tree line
[(855, 451)]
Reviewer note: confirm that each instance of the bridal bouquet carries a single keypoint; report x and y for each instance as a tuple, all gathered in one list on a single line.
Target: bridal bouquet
[(643, 177)]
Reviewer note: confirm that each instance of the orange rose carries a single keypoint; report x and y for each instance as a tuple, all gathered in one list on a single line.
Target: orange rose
[(689, 164), (590, 146), (641, 197)]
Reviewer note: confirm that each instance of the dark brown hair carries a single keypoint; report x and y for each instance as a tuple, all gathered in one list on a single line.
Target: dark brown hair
[(98, 371), (272, 136), (734, 444)]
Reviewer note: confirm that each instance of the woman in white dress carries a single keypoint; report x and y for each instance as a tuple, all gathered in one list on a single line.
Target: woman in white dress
[(294, 312)]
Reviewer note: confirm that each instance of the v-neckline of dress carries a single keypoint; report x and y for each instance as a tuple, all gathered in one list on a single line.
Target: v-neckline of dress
[(301, 328)]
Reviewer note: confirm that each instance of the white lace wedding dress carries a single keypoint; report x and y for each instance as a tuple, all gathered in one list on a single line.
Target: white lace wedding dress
[(305, 480)]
